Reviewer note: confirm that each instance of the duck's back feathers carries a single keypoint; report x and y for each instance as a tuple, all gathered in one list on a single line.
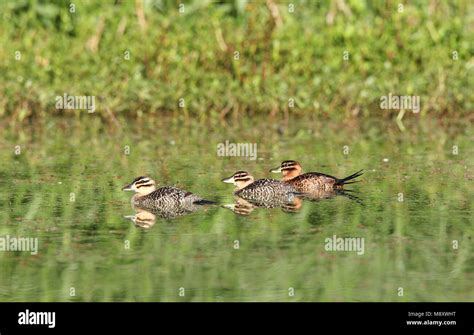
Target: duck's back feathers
[(314, 181), (262, 189), (167, 197)]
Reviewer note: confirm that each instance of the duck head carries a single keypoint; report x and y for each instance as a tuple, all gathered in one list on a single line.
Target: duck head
[(240, 179), (288, 169), (141, 185)]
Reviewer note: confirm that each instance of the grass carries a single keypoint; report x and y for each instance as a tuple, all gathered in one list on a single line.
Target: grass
[(193, 56)]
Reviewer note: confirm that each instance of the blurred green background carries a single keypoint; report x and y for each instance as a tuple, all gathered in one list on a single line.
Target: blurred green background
[(285, 50)]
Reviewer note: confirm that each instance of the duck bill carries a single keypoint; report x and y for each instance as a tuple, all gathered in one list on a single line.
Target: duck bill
[(128, 187), (229, 180), (276, 170)]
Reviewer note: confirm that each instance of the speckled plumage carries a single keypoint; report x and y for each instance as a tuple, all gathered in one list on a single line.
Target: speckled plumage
[(314, 182), (166, 199), (266, 190)]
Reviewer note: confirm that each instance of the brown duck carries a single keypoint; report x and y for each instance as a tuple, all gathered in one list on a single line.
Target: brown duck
[(311, 182)]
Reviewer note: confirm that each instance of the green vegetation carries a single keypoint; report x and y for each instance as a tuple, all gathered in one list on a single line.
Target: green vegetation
[(191, 55)]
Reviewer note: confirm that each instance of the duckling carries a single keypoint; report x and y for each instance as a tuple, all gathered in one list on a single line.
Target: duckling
[(261, 189), (143, 219), (167, 198), (312, 181)]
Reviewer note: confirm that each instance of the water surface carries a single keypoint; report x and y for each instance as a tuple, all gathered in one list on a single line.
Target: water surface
[(64, 189)]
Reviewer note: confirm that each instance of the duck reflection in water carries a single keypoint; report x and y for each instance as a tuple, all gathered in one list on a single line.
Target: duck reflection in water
[(143, 219), (317, 195), (290, 204), (246, 206)]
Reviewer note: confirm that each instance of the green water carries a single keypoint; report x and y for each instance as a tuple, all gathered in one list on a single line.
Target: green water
[(64, 189)]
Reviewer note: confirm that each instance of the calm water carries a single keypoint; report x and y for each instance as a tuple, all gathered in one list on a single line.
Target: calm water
[(64, 189)]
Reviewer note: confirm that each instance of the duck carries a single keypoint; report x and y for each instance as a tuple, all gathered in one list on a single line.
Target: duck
[(261, 190), (164, 199), (311, 182)]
